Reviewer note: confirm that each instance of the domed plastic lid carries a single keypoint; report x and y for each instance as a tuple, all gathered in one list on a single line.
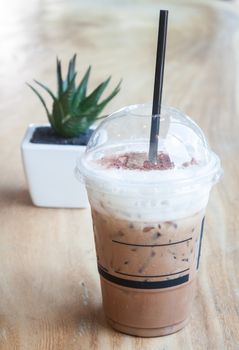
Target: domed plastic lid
[(118, 149)]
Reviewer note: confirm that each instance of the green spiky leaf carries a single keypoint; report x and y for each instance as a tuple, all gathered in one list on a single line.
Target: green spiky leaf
[(80, 92), (46, 89), (71, 69), (66, 97), (59, 77), (102, 105), (94, 97), (73, 111), (58, 111), (49, 116)]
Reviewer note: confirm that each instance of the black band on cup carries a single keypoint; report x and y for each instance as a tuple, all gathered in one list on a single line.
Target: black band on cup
[(200, 242), (143, 284)]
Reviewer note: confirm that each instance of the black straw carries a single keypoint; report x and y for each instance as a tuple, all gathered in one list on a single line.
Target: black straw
[(158, 85)]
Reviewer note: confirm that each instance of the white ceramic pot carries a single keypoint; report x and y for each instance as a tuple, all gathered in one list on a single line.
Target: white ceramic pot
[(50, 174)]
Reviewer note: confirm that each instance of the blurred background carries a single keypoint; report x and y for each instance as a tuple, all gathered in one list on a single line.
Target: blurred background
[(118, 37)]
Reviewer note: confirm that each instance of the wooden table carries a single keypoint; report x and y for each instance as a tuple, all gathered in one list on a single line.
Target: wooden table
[(49, 287)]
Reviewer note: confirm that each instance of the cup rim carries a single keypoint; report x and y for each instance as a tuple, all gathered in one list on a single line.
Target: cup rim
[(208, 174)]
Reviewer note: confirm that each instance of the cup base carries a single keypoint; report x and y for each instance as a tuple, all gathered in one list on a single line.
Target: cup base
[(148, 332)]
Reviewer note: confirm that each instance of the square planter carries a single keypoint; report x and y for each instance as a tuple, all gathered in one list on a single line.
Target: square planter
[(49, 171)]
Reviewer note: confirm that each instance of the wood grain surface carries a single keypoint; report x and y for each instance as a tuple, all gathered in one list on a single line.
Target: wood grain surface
[(49, 287)]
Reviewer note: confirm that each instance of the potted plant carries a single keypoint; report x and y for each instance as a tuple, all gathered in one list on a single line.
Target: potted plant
[(49, 151)]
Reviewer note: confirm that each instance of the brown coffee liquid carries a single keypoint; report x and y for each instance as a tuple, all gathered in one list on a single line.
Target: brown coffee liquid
[(148, 271)]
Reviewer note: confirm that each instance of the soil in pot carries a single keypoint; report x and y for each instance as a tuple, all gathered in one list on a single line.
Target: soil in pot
[(46, 135)]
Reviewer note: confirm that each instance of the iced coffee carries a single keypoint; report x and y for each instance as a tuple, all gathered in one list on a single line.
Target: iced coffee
[(148, 218)]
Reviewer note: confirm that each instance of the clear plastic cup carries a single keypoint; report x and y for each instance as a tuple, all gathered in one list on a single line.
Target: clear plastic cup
[(148, 223)]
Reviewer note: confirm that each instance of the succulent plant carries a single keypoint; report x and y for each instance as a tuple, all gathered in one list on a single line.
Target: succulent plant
[(73, 111)]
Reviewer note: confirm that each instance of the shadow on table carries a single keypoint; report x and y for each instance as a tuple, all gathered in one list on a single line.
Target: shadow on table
[(85, 318), (15, 196), (46, 294), (79, 319), (91, 322)]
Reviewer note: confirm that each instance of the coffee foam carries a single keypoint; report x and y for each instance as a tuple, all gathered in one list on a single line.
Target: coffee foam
[(146, 195), (152, 195)]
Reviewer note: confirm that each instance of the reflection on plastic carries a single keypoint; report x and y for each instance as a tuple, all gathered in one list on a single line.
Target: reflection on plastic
[(164, 126), (79, 175)]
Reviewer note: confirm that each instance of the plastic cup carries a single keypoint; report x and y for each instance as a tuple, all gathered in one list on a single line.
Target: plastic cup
[(148, 224)]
